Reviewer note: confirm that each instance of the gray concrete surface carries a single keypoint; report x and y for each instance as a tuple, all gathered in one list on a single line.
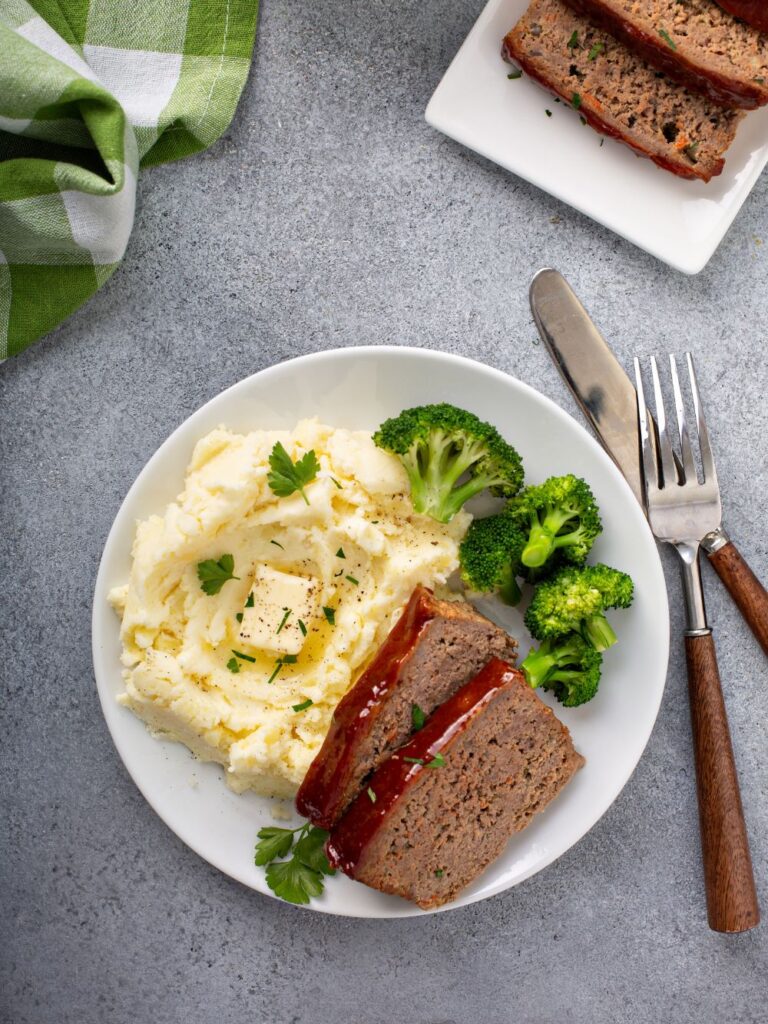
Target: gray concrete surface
[(328, 215)]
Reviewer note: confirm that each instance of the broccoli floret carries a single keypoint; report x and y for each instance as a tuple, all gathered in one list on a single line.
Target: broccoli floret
[(561, 519), (438, 445), (569, 666), (490, 556), (575, 599)]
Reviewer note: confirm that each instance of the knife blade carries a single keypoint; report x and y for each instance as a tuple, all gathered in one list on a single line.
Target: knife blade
[(592, 372), (608, 400)]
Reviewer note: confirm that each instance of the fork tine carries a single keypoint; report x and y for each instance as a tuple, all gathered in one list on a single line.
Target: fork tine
[(707, 459), (649, 467), (668, 470), (689, 466)]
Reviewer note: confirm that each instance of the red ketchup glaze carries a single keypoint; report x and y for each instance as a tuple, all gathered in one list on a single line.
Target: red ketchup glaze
[(359, 825), (324, 785), (754, 12), (656, 51), (599, 125)]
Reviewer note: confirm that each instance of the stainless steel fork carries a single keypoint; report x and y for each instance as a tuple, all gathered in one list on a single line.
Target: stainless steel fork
[(682, 511)]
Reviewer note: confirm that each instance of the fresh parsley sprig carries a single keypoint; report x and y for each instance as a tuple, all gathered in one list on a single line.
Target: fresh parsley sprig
[(299, 878), (214, 574), (287, 477)]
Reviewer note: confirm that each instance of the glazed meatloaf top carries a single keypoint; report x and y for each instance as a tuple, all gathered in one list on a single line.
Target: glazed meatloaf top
[(434, 648), (696, 42), (619, 93), (754, 12), (441, 808)]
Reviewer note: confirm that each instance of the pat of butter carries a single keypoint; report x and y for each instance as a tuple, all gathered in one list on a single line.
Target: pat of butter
[(280, 602)]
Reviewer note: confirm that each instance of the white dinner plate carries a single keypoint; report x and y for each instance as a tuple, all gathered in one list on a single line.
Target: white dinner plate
[(358, 388), (680, 222)]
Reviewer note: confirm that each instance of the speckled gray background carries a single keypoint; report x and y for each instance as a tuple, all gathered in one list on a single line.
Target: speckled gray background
[(330, 214)]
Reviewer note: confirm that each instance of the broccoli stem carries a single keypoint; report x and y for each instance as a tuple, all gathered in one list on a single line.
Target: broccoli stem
[(509, 591), (539, 547), (599, 632), (543, 539), (548, 661), (538, 664), (433, 489)]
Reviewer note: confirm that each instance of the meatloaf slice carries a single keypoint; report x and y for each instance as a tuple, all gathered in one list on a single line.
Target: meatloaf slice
[(434, 648), (620, 94), (754, 12), (696, 43), (436, 814)]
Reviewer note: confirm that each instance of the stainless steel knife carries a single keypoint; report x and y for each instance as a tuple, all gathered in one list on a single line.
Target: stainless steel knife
[(608, 400)]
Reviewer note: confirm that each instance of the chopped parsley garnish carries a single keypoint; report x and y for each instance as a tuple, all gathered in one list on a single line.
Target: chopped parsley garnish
[(300, 878), (277, 544), (548, 113), (286, 659), (213, 575), (233, 665), (330, 615), (576, 101), (667, 38), (517, 73), (582, 119), (437, 761), (286, 477), (243, 657), (375, 522), (596, 50), (573, 42), (284, 619), (304, 705), (249, 602), (418, 718), (371, 795), (353, 580), (333, 478), (275, 670), (602, 141), (438, 872), (239, 616), (303, 628), (340, 553)]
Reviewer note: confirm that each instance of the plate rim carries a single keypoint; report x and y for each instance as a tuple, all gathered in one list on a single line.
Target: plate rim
[(101, 610)]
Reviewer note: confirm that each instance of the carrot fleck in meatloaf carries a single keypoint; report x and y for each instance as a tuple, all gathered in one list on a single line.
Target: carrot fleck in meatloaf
[(620, 94), (434, 648), (443, 806), (695, 42)]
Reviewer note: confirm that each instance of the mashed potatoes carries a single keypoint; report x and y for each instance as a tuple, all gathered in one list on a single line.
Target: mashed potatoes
[(347, 561)]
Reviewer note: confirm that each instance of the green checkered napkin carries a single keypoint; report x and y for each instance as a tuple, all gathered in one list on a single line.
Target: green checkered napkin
[(91, 90)]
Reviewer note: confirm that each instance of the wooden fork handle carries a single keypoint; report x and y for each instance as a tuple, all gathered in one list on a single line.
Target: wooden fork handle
[(745, 589), (731, 897)]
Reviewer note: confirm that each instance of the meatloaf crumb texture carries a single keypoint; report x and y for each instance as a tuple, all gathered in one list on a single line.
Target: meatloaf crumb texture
[(696, 42), (424, 832), (620, 94), (435, 647), (754, 12)]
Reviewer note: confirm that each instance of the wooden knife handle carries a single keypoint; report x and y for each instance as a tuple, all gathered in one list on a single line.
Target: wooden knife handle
[(745, 589), (731, 897)]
